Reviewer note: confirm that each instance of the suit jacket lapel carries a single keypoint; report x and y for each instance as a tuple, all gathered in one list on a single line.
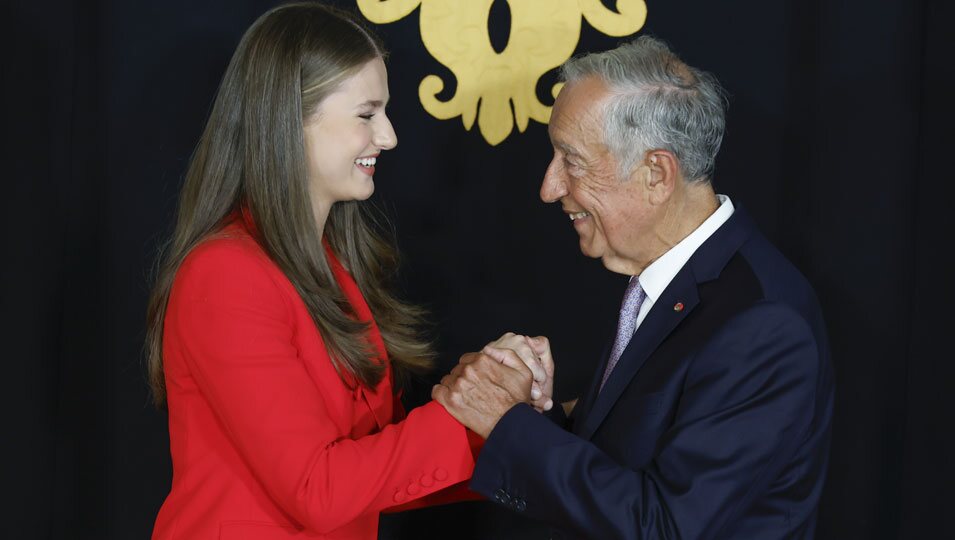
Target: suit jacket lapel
[(582, 409), (660, 321), (705, 265)]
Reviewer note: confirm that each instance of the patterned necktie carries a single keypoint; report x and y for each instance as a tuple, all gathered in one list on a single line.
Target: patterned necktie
[(632, 300)]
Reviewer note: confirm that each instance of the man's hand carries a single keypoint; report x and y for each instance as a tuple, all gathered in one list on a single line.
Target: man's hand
[(536, 355), (480, 389)]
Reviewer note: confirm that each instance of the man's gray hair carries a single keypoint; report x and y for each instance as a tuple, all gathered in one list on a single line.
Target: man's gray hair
[(657, 101)]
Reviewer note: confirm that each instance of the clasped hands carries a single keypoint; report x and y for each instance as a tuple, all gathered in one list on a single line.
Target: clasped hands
[(485, 385)]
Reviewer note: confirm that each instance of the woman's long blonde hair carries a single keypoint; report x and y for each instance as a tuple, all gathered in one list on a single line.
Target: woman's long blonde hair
[(252, 154)]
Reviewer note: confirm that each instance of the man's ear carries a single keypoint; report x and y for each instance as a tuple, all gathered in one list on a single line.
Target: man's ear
[(664, 173)]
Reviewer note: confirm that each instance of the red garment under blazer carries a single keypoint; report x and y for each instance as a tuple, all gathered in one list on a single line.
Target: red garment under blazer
[(267, 442)]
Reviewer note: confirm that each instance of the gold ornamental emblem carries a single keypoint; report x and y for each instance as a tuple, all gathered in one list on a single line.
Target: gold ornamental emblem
[(499, 89)]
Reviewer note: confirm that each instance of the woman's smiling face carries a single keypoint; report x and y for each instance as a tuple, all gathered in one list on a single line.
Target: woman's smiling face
[(345, 135)]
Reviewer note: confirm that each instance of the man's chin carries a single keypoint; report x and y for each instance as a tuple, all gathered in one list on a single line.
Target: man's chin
[(588, 250)]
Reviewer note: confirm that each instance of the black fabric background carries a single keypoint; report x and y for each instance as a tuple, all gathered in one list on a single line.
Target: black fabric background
[(839, 144)]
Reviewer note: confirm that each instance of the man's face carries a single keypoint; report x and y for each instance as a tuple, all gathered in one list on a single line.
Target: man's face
[(611, 214)]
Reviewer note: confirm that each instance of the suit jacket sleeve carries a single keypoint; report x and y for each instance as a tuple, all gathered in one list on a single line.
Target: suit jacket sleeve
[(234, 326), (747, 404)]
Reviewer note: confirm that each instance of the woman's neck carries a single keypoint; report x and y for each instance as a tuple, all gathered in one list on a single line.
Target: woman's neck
[(320, 211)]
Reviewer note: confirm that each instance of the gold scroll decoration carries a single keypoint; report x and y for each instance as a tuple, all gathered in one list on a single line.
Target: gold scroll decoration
[(543, 34)]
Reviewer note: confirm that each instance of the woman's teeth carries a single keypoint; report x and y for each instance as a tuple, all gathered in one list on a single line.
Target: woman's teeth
[(366, 162), (578, 215)]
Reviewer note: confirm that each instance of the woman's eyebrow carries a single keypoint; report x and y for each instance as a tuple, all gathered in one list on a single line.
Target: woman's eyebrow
[(374, 103)]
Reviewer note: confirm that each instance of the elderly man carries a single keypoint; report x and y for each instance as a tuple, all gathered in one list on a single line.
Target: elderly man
[(709, 414)]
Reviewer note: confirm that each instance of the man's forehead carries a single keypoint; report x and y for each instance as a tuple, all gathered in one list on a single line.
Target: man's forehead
[(589, 89), (578, 108)]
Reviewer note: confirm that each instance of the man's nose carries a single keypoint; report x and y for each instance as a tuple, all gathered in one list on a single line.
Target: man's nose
[(553, 187)]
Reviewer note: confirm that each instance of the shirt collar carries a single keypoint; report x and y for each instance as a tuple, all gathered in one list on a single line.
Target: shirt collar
[(655, 278)]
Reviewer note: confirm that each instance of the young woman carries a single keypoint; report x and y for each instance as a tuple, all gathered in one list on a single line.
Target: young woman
[(273, 337)]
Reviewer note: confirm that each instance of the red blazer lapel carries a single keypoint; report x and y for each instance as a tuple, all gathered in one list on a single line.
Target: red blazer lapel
[(380, 400)]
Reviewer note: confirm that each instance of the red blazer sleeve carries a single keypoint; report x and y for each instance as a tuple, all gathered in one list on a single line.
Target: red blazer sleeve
[(459, 492), (234, 326)]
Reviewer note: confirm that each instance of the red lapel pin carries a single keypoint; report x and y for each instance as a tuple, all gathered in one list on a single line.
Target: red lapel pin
[(678, 306)]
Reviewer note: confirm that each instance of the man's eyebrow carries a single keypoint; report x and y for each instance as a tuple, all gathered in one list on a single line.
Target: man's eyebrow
[(565, 149)]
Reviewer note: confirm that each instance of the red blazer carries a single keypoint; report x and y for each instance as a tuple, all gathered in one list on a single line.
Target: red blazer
[(267, 442)]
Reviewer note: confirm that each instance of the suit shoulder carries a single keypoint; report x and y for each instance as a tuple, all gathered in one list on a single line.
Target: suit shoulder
[(765, 337), (782, 282), (759, 280), (778, 276), (771, 316)]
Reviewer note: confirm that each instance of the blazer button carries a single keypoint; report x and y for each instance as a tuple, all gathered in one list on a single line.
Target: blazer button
[(502, 497), (520, 505), (440, 474), (426, 480), (399, 496), (413, 489)]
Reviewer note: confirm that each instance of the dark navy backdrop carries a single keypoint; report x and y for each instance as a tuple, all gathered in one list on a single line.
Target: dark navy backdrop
[(838, 134)]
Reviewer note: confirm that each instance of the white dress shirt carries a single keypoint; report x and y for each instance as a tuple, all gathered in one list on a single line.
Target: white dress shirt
[(655, 278)]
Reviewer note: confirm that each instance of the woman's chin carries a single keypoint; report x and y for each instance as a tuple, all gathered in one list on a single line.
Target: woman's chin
[(364, 191), (368, 193)]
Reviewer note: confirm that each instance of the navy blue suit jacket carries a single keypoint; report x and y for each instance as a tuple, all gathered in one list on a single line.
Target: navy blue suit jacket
[(714, 423)]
